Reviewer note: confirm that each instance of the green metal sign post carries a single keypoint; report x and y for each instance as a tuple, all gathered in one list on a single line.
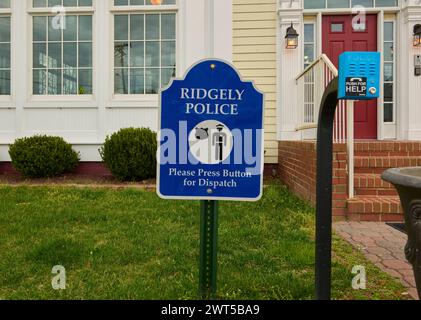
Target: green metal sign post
[(208, 248)]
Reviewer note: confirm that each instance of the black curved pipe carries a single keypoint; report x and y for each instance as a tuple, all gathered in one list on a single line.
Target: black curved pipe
[(324, 191)]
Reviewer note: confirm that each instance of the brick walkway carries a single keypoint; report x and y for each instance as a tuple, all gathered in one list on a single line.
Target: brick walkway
[(382, 245)]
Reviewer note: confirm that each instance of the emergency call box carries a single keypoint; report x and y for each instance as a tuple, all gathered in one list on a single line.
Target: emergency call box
[(359, 75)]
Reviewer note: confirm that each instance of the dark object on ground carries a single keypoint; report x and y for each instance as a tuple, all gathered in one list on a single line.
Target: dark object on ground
[(408, 183), (398, 226)]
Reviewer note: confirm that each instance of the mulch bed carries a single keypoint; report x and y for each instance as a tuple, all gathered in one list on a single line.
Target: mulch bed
[(77, 181)]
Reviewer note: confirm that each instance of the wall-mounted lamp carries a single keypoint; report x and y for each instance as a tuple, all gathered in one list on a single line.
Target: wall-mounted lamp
[(291, 38), (417, 35)]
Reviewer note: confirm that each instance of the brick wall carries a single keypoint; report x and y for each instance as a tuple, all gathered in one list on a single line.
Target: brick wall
[(297, 170)]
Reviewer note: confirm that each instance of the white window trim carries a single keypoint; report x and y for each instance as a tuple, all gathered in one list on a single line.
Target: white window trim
[(34, 99), (395, 91), (144, 99), (7, 12)]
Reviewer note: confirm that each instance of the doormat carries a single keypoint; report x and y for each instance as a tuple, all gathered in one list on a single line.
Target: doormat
[(398, 226)]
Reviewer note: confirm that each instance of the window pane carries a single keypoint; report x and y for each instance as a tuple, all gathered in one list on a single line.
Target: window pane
[(137, 31), (54, 55), (137, 54), (121, 81), (39, 81), (52, 3), (4, 82), (308, 32), (54, 30), (152, 27), (386, 3), (85, 81), (70, 81), (388, 72), (388, 51), (137, 81), (364, 3), (85, 3), (70, 3), (121, 27), (70, 32), (121, 54), (166, 75), (388, 31), (85, 28), (314, 4), (168, 54), (308, 53), (38, 3), (152, 54), (4, 29), (40, 55), (388, 112), (85, 54), (54, 81), (336, 27), (152, 81), (388, 92), (4, 56), (40, 28), (338, 3), (168, 26), (70, 54), (4, 3)]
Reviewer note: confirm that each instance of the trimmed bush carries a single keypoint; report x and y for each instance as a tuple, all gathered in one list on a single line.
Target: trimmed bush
[(43, 156), (130, 154)]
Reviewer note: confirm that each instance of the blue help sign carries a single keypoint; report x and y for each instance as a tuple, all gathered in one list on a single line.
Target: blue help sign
[(210, 142)]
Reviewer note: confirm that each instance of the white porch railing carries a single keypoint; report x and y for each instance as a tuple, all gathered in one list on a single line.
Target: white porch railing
[(311, 84)]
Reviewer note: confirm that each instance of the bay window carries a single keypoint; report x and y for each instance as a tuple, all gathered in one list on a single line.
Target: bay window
[(62, 50), (144, 47)]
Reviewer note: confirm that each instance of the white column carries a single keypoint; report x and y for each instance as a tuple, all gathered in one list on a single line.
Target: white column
[(20, 66), (409, 110), (290, 65)]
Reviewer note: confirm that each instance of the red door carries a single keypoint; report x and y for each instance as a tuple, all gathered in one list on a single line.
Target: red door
[(339, 35)]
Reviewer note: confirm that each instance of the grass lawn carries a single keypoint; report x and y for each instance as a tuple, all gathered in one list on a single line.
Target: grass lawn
[(128, 244)]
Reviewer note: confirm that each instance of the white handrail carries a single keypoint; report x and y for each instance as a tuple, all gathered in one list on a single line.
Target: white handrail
[(311, 83), (323, 58)]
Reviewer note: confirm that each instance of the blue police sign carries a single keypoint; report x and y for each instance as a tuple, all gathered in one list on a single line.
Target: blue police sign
[(359, 75), (210, 143)]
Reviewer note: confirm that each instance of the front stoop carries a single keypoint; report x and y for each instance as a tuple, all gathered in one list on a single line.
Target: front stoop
[(377, 200), (375, 208)]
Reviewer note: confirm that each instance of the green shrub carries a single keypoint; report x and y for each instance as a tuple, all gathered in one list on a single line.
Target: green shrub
[(130, 154), (43, 156)]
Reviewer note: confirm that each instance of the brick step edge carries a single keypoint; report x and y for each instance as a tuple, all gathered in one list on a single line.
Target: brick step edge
[(386, 162), (371, 180), (374, 205)]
